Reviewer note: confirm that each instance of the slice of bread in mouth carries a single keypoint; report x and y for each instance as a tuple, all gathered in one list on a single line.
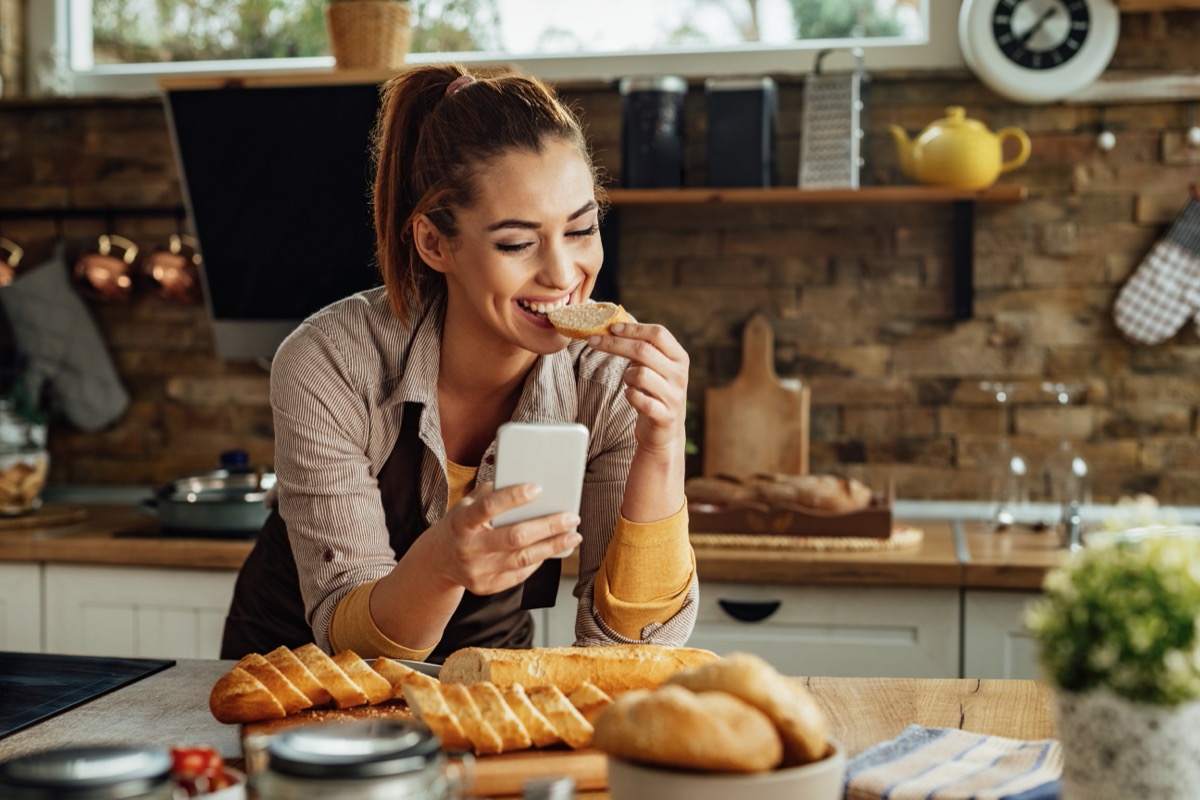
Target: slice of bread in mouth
[(582, 320)]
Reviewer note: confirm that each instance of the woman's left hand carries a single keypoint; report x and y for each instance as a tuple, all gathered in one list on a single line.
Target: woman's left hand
[(656, 381)]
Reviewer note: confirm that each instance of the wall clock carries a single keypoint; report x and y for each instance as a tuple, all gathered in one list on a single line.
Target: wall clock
[(1038, 51)]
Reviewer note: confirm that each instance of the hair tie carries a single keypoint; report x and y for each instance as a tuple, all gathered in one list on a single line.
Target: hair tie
[(459, 83)]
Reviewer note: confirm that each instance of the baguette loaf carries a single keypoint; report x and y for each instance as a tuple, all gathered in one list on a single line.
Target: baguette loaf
[(613, 669), (480, 716)]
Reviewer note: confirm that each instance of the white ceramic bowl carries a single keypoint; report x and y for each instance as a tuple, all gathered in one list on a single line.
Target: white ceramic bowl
[(820, 780)]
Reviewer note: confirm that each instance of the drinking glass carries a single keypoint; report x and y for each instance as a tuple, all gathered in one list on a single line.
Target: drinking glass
[(1067, 482), (1005, 470)]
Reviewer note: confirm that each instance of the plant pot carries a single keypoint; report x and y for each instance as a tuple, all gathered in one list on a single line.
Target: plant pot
[(369, 34), (1116, 749)]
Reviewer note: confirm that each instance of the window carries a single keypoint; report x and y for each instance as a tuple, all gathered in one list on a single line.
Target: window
[(124, 46)]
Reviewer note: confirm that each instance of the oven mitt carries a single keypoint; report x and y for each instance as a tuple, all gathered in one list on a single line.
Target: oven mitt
[(1165, 289), (54, 329)]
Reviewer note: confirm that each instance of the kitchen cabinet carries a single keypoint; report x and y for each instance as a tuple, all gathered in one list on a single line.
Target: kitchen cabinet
[(21, 607), (995, 643), (962, 202), (815, 630), (135, 611)]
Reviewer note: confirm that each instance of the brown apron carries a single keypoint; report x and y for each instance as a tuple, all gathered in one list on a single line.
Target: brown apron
[(267, 610)]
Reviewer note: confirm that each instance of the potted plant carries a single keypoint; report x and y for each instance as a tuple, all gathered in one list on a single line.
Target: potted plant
[(1118, 631), (369, 34)]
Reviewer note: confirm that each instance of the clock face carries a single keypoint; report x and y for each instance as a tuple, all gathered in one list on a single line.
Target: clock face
[(1041, 34), (1038, 51)]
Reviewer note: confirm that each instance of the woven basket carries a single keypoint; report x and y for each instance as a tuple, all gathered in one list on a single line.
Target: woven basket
[(369, 34)]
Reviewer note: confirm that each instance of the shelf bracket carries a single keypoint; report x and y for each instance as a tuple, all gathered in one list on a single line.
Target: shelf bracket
[(963, 248)]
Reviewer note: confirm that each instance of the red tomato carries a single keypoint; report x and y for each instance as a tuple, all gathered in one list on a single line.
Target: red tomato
[(198, 770)]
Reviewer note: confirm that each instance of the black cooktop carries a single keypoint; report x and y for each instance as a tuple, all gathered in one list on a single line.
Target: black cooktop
[(34, 686)]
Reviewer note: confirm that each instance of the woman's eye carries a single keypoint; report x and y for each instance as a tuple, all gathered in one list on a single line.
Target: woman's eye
[(585, 232), (512, 248)]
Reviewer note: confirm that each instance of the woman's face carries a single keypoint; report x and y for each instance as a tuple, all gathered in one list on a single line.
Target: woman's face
[(530, 243)]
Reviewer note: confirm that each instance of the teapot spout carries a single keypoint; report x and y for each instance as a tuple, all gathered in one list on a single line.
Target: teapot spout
[(904, 149)]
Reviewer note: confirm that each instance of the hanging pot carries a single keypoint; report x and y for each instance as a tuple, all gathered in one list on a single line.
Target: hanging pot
[(174, 271), (230, 502), (105, 276)]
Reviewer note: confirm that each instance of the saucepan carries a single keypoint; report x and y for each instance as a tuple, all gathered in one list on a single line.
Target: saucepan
[(230, 502), (104, 276), (174, 270)]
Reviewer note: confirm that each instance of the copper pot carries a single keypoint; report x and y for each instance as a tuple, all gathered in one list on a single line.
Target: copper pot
[(174, 270), (105, 276), (12, 254)]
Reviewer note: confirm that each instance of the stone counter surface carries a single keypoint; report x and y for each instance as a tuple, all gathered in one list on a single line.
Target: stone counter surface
[(953, 554)]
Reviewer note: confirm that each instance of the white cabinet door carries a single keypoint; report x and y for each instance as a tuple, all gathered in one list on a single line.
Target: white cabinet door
[(995, 643), (21, 607), (136, 611), (834, 630)]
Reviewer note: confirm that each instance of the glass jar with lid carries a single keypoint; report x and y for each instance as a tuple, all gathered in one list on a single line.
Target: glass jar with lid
[(374, 759), (96, 772), (24, 462)]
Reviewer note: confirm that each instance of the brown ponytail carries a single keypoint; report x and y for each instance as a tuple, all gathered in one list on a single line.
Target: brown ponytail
[(428, 148)]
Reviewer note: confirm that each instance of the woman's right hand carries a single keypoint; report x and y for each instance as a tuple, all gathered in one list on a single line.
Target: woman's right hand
[(484, 559)]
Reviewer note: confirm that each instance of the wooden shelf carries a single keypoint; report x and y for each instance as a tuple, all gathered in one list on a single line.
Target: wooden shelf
[(962, 202), (790, 196)]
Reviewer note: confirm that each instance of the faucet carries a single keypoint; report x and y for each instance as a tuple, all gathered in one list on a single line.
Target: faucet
[(1072, 527)]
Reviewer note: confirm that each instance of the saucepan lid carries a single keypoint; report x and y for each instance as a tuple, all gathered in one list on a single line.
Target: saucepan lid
[(97, 772), (234, 481)]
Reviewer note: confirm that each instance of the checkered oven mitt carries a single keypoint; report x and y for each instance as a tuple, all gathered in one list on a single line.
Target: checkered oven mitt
[(1165, 289)]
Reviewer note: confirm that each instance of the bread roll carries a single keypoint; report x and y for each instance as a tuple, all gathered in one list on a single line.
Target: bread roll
[(675, 727), (613, 669), (829, 493), (582, 320), (802, 724)]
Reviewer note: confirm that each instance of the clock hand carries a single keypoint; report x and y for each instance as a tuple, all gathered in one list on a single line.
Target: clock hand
[(1037, 26)]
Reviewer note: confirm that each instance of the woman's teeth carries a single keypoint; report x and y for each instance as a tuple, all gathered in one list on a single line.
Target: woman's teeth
[(541, 309)]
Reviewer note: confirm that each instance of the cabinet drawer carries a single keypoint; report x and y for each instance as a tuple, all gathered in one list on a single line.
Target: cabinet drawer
[(843, 631)]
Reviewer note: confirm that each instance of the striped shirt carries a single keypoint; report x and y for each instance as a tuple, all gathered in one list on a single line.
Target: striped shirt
[(339, 384)]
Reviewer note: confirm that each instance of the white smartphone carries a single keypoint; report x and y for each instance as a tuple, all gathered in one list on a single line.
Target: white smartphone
[(550, 454)]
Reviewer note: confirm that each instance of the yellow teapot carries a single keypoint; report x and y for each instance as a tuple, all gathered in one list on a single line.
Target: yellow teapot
[(958, 152)]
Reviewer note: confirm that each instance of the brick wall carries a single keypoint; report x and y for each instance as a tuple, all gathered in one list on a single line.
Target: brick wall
[(859, 296)]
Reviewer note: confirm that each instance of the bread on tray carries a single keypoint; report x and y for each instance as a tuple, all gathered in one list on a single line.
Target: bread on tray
[(543, 697)]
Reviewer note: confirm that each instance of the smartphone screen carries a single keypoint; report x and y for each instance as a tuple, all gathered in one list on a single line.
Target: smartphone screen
[(552, 455)]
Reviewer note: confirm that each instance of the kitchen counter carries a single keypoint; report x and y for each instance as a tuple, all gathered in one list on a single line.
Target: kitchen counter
[(953, 554), (171, 708)]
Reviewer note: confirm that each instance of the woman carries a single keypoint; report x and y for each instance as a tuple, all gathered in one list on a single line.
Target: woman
[(386, 405)]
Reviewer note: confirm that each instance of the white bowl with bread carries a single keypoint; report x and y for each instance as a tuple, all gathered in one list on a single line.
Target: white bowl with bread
[(730, 728)]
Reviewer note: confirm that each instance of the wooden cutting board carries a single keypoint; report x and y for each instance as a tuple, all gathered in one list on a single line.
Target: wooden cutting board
[(494, 776), (758, 423)]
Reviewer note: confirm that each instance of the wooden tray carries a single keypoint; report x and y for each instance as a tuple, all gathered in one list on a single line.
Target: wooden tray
[(494, 776), (872, 522)]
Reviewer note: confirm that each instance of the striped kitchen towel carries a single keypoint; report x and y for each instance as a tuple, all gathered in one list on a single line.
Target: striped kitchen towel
[(949, 764)]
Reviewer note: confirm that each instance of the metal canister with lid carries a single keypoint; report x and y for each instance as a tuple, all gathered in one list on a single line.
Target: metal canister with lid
[(364, 760), (97, 772)]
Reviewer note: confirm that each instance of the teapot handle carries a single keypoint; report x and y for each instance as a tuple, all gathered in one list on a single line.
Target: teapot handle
[(1023, 142)]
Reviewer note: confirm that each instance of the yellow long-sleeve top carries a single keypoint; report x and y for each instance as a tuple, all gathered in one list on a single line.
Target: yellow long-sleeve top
[(645, 576)]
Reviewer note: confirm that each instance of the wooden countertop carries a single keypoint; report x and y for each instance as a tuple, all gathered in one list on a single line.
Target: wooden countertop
[(171, 708), (971, 556)]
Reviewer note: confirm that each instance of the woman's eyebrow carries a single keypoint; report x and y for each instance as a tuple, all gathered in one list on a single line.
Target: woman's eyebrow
[(526, 224)]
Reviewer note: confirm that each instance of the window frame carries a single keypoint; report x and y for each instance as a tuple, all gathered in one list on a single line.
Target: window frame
[(48, 31)]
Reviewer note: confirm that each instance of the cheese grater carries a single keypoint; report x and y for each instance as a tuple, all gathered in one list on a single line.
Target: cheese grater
[(832, 128)]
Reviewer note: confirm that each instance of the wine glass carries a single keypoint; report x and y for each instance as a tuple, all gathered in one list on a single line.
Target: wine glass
[(1006, 471), (1067, 475)]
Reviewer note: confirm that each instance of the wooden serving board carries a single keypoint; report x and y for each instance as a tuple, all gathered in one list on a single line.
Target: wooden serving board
[(494, 776), (758, 423)]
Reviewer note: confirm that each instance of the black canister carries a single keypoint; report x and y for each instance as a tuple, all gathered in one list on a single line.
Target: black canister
[(652, 132)]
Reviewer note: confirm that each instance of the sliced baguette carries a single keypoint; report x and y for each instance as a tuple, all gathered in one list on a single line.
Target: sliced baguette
[(590, 700), (613, 669), (393, 672), (373, 685), (291, 698), (346, 693), (424, 697), (540, 730), (238, 696), (566, 719), (508, 726), (301, 676), (581, 320), (484, 739)]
